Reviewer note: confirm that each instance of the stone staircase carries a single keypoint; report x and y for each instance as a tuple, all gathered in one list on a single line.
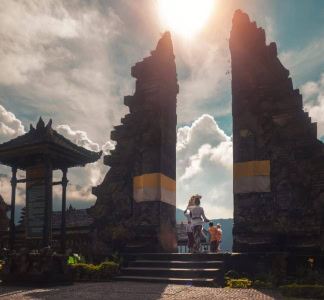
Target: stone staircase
[(177, 268)]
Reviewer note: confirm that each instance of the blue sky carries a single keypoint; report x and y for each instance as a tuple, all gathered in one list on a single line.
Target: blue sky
[(71, 60)]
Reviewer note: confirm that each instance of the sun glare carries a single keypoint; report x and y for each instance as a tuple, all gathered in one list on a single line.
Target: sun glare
[(186, 17)]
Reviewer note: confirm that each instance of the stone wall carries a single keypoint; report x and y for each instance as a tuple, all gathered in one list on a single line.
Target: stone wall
[(278, 161), (4, 220), (139, 188)]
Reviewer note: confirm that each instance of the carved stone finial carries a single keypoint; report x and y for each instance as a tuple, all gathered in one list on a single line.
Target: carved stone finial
[(32, 127), (71, 208), (49, 124), (40, 123), (165, 43)]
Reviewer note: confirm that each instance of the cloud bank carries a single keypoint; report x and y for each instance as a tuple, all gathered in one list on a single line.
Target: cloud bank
[(204, 166), (313, 93), (10, 126)]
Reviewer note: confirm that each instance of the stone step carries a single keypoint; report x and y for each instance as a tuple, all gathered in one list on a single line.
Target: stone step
[(177, 256), (173, 272), (205, 282), (176, 264)]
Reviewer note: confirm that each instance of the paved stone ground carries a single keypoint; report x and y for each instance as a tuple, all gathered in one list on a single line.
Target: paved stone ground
[(135, 291)]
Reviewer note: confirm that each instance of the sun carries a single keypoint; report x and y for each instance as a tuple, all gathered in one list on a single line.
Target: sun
[(186, 17)]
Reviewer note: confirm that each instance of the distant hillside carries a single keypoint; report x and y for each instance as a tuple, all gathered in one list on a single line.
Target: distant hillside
[(226, 224)]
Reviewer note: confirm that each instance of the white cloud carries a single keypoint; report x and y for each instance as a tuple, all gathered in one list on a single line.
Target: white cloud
[(270, 31), (204, 128), (5, 186), (302, 62), (27, 28), (75, 193), (78, 137), (309, 90), (83, 179), (10, 126), (59, 56), (204, 166), (315, 105), (200, 80), (110, 145)]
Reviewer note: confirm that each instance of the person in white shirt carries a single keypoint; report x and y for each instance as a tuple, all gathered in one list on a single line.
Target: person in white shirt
[(197, 217), (189, 230)]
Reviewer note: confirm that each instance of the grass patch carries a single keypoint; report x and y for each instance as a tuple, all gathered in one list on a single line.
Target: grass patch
[(303, 291)]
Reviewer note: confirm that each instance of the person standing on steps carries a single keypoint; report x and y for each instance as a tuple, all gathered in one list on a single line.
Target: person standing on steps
[(189, 228), (213, 237), (197, 218), (219, 236), (190, 236)]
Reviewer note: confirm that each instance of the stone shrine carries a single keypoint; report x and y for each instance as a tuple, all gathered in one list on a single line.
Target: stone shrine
[(278, 161), (140, 187)]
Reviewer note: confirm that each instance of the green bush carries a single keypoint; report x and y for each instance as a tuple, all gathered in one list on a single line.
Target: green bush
[(85, 271), (270, 278), (108, 270), (258, 284), (242, 283), (88, 272), (303, 291)]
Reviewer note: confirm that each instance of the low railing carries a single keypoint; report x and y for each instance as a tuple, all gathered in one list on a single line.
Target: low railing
[(183, 248)]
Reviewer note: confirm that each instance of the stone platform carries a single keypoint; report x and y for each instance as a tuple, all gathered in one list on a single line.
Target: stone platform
[(136, 291)]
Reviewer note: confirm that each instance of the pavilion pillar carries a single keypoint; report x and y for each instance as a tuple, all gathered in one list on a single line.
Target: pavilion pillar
[(12, 207), (48, 203), (63, 220)]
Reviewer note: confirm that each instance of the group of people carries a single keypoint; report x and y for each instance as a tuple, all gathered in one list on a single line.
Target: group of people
[(196, 216)]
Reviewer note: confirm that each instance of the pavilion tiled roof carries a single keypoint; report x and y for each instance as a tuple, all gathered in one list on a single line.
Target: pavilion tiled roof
[(34, 140)]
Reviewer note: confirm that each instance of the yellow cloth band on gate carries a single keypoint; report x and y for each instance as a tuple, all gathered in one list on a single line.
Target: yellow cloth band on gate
[(251, 168), (154, 180)]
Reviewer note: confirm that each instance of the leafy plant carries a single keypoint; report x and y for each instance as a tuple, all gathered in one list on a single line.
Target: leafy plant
[(75, 259), (270, 278), (242, 283)]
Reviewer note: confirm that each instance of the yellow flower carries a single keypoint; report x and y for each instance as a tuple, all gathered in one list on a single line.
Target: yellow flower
[(311, 260)]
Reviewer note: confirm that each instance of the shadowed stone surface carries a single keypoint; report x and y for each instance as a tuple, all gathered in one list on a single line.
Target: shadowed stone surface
[(146, 144), (4, 220), (136, 291), (278, 161)]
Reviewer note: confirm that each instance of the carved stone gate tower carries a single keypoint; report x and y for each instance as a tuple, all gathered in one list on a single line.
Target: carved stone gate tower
[(278, 161), (141, 183)]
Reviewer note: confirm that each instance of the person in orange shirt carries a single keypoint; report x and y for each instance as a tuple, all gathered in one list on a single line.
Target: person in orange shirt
[(213, 237)]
